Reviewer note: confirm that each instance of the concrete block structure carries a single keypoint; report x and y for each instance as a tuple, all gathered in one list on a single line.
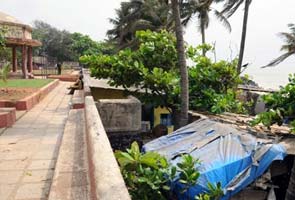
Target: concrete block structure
[(120, 115)]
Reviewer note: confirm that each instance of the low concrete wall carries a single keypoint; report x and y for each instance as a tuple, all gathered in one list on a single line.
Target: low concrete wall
[(120, 115), (66, 77), (106, 180), (29, 102)]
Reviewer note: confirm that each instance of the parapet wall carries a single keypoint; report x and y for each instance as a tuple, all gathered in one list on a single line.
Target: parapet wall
[(106, 180)]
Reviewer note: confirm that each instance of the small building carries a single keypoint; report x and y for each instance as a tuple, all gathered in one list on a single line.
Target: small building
[(19, 37)]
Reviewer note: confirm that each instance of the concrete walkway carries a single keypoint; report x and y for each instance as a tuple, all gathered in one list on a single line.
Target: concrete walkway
[(29, 149)]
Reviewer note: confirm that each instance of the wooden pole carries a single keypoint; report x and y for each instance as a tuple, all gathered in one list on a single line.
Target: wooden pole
[(14, 59), (24, 61)]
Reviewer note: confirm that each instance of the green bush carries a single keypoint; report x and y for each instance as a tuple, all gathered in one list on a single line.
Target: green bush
[(149, 175), (280, 107), (4, 72), (153, 68), (213, 85)]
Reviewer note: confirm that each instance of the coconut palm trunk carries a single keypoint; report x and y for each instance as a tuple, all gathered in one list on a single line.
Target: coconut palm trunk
[(182, 64), (290, 195), (203, 37), (243, 38)]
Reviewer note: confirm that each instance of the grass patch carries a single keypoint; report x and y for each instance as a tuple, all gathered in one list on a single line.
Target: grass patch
[(25, 83)]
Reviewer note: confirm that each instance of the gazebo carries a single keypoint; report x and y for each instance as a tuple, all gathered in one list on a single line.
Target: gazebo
[(19, 35)]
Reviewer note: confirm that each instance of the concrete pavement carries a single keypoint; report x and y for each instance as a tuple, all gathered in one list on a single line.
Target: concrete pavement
[(28, 150)]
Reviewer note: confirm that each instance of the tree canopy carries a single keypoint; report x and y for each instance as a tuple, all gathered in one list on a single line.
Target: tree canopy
[(152, 70), (65, 46), (137, 15)]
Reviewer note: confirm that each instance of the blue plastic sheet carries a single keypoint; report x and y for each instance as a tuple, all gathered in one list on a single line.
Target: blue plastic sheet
[(229, 156)]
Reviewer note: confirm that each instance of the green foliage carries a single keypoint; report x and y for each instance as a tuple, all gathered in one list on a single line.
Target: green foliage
[(66, 46), (280, 107), (135, 15), (25, 83), (4, 72), (5, 53), (188, 172), (147, 175), (213, 84), (150, 68), (84, 45), (2, 38), (215, 192)]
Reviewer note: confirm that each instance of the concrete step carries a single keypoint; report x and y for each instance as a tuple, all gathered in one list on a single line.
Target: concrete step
[(71, 179), (78, 99), (7, 117)]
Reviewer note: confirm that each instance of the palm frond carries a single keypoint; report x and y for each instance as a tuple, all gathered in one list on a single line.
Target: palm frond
[(288, 37), (278, 60), (222, 19), (231, 7)]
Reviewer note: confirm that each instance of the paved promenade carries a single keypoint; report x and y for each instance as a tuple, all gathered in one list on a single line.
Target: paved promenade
[(28, 150)]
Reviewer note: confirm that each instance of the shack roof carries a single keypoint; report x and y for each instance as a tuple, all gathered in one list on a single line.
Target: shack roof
[(278, 134)]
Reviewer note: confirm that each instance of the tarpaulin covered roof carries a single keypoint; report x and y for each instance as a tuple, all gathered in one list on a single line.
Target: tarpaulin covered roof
[(230, 156)]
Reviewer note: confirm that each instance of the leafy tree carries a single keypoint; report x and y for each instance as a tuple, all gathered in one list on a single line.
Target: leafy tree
[(137, 15), (55, 43), (288, 47), (230, 8), (84, 45), (66, 46), (213, 84), (201, 9), (151, 69)]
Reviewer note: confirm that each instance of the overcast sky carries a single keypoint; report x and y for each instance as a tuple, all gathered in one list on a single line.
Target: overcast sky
[(266, 19)]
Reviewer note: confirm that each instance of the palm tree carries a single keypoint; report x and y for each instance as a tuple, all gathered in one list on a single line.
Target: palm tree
[(201, 9), (182, 63), (288, 47), (230, 8), (137, 15)]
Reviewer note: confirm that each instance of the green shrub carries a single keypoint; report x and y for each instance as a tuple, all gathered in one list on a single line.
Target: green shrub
[(213, 85), (4, 72), (280, 107), (153, 68), (149, 175)]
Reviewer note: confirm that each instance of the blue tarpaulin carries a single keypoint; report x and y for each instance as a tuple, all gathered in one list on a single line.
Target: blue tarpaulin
[(230, 156)]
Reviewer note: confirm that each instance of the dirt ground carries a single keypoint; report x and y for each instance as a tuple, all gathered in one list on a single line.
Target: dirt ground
[(15, 94)]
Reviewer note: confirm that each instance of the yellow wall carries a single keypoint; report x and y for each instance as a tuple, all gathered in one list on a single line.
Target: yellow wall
[(101, 93), (157, 117)]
